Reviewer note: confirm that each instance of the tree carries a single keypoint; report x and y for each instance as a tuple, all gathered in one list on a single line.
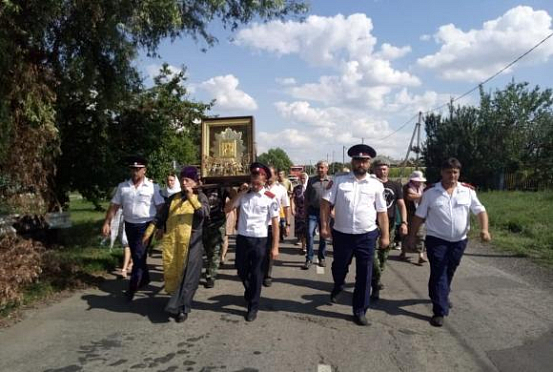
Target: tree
[(67, 71), (277, 158), (510, 132)]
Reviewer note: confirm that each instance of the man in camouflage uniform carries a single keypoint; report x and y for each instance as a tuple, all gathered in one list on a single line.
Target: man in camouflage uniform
[(214, 232)]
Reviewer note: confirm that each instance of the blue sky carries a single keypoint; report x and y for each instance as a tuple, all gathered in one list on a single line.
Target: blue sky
[(360, 69)]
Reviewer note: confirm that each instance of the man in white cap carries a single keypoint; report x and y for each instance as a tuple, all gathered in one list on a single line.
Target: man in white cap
[(412, 194)]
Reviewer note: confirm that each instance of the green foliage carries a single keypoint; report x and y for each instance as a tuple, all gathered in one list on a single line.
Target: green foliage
[(519, 222), (276, 157), (68, 85), (510, 132)]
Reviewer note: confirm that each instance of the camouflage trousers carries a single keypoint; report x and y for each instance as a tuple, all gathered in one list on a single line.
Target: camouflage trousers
[(381, 257), (213, 236)]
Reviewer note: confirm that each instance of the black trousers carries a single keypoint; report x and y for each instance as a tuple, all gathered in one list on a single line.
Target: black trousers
[(140, 275), (268, 262), (360, 246), (250, 256)]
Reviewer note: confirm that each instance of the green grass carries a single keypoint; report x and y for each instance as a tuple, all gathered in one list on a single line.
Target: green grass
[(520, 222), (78, 261)]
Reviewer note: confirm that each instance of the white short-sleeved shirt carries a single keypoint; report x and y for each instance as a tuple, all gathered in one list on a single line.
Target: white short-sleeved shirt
[(448, 217), (356, 203), (256, 209), (138, 203), (281, 195)]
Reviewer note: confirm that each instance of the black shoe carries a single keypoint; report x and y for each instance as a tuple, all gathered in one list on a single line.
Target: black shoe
[(144, 284), (322, 262), (437, 321), (251, 315), (334, 295), (210, 283), (380, 286), (361, 320), (129, 295), (306, 265), (375, 294), (181, 317), (267, 282)]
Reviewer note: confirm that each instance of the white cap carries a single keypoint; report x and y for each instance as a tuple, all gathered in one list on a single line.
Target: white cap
[(417, 176)]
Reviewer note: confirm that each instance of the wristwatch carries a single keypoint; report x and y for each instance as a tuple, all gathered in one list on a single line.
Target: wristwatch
[(403, 222)]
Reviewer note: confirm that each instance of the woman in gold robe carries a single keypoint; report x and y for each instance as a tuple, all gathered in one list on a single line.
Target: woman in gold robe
[(181, 219)]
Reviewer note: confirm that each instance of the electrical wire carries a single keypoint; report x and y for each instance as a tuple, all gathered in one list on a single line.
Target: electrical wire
[(478, 85)]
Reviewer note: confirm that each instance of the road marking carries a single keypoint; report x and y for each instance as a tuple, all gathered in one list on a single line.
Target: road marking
[(324, 368), (320, 270)]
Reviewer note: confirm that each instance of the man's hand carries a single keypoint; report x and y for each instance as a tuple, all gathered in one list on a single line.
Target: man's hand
[(384, 242), (325, 232), (403, 229), (287, 231), (274, 252), (485, 236), (106, 229), (243, 188)]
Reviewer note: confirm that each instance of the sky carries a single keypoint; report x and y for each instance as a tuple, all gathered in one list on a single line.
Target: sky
[(358, 70)]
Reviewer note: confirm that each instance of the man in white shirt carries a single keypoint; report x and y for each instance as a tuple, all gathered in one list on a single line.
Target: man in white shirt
[(358, 201), (281, 196), (446, 208), (140, 199), (257, 207)]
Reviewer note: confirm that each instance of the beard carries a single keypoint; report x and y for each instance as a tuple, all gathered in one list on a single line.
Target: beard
[(360, 171)]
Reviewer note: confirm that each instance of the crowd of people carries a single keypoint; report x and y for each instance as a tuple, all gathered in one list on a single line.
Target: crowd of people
[(360, 211)]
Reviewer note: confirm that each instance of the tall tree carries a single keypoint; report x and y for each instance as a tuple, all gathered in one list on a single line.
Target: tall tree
[(276, 157), (67, 70)]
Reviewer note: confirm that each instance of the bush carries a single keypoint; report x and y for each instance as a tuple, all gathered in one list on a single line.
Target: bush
[(20, 265)]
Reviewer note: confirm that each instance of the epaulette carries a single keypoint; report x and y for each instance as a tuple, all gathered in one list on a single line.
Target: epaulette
[(270, 194), (428, 187), (330, 183), (468, 185)]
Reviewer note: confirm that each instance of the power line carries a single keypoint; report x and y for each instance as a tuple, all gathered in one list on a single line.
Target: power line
[(400, 128), (478, 85), (496, 74)]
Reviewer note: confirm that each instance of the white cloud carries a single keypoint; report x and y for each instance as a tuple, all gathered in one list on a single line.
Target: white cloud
[(227, 95), (286, 81), (152, 70), (343, 44), (476, 54), (390, 52), (310, 132)]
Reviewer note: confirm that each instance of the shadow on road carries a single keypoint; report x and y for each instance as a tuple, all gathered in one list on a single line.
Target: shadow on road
[(150, 306)]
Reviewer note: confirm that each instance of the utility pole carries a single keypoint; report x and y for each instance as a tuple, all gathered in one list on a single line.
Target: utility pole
[(416, 149)]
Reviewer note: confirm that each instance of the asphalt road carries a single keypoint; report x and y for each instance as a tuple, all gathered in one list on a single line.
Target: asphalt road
[(502, 320)]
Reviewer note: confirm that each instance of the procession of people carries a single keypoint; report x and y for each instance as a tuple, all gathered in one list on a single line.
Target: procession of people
[(356, 211)]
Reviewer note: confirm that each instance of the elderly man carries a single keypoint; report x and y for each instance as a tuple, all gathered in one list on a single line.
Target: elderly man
[(445, 206), (140, 199), (314, 191), (358, 201)]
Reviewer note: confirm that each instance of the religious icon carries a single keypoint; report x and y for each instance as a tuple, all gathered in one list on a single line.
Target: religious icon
[(227, 149)]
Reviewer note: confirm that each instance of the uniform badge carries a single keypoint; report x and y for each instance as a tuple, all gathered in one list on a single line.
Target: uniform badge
[(330, 183), (269, 194), (468, 185)]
